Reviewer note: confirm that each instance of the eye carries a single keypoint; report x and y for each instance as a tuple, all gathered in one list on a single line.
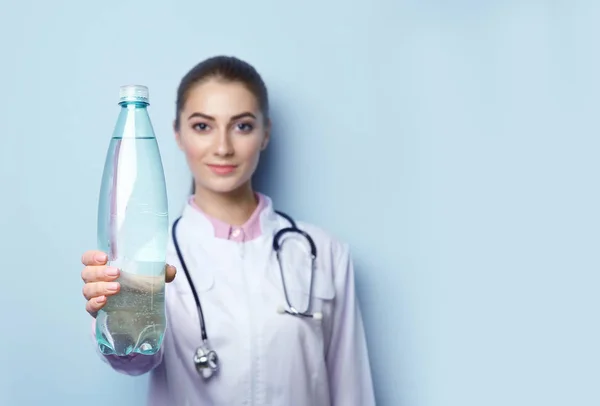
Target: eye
[(245, 127), (201, 127)]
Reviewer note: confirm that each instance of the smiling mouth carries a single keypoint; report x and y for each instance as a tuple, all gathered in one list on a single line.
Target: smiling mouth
[(222, 169)]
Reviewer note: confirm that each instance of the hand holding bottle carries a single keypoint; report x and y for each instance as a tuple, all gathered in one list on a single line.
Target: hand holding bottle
[(100, 280)]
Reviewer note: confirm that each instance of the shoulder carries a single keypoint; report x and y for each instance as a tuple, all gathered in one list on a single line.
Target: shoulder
[(334, 264), (329, 245)]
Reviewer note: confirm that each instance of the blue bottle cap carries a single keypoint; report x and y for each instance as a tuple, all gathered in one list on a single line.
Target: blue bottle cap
[(134, 93)]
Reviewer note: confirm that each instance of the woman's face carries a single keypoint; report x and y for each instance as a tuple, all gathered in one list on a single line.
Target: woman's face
[(222, 132)]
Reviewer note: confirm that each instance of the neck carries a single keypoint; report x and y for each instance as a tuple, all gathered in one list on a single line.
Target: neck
[(234, 208)]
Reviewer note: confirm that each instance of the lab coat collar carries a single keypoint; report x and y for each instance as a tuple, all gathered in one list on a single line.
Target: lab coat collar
[(201, 224)]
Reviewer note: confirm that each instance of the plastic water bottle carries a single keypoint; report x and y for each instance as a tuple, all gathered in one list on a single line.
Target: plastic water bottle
[(133, 230)]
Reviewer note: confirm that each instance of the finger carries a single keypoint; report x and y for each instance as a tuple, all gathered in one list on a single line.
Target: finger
[(170, 273), (96, 289), (95, 304), (99, 273), (94, 257)]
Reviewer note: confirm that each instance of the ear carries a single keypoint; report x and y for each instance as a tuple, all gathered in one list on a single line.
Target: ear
[(267, 136), (177, 135)]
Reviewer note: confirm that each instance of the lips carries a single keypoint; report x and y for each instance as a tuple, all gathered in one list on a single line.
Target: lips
[(222, 169)]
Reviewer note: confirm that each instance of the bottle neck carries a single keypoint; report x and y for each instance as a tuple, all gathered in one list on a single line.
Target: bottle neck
[(134, 104), (133, 121)]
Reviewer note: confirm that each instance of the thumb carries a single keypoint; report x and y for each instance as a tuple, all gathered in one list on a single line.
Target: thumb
[(170, 273)]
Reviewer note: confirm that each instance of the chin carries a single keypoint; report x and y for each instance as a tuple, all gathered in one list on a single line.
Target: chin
[(223, 186)]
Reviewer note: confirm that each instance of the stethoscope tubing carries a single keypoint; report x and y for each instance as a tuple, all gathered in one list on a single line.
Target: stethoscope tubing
[(206, 359)]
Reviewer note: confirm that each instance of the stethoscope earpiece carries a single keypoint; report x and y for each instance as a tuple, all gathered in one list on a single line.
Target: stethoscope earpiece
[(316, 315)]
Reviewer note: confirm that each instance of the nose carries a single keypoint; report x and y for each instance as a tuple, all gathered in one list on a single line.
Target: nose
[(224, 145)]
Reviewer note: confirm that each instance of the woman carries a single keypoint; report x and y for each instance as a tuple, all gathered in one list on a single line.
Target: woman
[(266, 357)]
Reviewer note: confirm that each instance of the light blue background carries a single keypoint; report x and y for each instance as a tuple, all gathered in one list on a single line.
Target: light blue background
[(453, 144)]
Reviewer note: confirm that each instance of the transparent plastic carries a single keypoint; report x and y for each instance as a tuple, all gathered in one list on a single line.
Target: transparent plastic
[(133, 229)]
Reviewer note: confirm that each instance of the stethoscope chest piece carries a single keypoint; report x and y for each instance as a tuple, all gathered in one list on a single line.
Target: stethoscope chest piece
[(206, 362)]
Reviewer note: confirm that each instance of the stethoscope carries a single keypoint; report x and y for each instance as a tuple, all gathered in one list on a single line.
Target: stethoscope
[(205, 359)]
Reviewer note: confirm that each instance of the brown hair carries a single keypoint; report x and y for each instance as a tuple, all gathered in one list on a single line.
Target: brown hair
[(227, 68)]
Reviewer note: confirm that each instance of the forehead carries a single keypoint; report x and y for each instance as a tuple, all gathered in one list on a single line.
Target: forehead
[(220, 98)]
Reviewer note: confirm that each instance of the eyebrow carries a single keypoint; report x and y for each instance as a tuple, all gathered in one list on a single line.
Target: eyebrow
[(236, 117)]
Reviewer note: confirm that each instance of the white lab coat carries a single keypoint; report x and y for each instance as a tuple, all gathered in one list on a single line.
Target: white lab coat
[(266, 358)]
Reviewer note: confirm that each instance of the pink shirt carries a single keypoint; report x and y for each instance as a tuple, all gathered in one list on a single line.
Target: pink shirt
[(248, 231)]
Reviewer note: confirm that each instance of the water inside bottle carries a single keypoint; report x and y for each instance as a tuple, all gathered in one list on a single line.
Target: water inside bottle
[(134, 320), (133, 231)]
